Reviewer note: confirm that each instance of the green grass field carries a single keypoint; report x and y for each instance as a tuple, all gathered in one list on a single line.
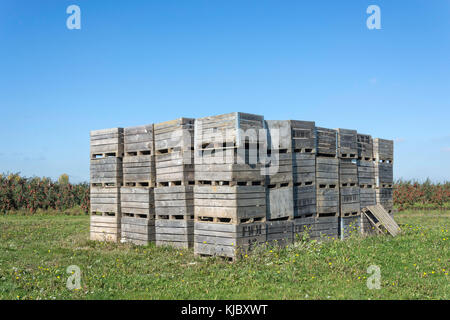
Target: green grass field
[(35, 252)]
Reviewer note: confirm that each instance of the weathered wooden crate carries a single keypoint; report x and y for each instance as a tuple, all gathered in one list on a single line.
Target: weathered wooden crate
[(303, 227), (350, 201), (139, 171), (137, 230), (384, 175), (106, 172), (107, 143), (327, 200), (139, 140), (178, 233), (231, 130), (174, 202), (279, 135), (137, 202), (280, 232), (304, 167), (280, 169), (238, 173), (384, 197), (304, 199), (348, 172), (325, 228), (227, 239), (326, 141), (279, 202), (230, 204), (303, 136), (383, 149), (367, 195), (347, 144), (105, 226), (349, 226), (327, 171), (365, 146), (366, 172), (105, 200), (174, 168), (176, 134)]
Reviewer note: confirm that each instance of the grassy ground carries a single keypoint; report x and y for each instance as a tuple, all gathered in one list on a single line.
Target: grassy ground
[(36, 250)]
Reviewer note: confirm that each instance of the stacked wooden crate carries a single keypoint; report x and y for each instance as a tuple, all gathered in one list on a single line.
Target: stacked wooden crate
[(174, 198), (230, 199), (304, 176), (350, 207), (106, 179), (366, 177), (383, 151), (279, 182), (137, 194), (327, 184)]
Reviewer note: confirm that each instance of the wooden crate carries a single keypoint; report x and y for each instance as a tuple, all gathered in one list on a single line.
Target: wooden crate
[(139, 140), (383, 149), (384, 177), (106, 142), (227, 239), (304, 167), (304, 199), (231, 204), (327, 200), (105, 200), (347, 144), (279, 202), (137, 202), (137, 230), (384, 197), (348, 172), (303, 227), (327, 171), (350, 204), (280, 232), (349, 226), (325, 228), (365, 146), (106, 172), (105, 226), (178, 233), (176, 134), (367, 195), (241, 173), (231, 129), (280, 169), (279, 135), (174, 202), (303, 136), (366, 172), (326, 141)]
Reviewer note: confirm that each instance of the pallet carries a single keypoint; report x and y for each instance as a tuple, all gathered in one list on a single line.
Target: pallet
[(227, 240), (231, 129), (381, 220), (139, 231), (326, 141), (137, 201), (280, 202), (106, 142), (365, 146), (347, 144), (233, 204), (175, 233), (106, 171)]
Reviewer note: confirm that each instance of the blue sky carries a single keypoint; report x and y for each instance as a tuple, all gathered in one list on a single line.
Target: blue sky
[(138, 62)]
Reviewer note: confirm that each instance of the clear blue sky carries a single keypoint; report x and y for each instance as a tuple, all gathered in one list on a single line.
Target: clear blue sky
[(138, 62)]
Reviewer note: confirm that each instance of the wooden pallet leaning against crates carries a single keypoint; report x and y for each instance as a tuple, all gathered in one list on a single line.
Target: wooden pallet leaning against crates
[(174, 198), (229, 195), (137, 194), (106, 154), (349, 206)]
